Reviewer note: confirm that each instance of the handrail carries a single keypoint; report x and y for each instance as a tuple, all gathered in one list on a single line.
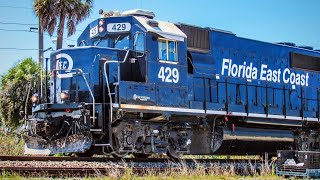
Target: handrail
[(109, 92), (87, 84), (107, 81)]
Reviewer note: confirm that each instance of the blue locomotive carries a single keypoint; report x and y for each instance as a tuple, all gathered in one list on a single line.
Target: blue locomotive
[(142, 86)]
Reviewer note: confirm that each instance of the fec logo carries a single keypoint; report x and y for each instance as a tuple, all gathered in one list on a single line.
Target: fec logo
[(64, 61)]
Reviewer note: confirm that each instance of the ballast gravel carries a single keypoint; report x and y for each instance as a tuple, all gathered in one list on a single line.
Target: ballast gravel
[(59, 164), (115, 165)]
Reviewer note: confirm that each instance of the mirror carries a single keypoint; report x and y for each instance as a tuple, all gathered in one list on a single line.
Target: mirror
[(139, 44)]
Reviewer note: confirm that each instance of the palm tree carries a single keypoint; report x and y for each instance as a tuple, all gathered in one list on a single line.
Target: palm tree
[(15, 90), (70, 11)]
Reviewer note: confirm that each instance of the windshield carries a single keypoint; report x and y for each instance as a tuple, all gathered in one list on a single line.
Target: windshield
[(115, 41)]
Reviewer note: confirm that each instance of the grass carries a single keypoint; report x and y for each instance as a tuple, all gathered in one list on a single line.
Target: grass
[(7, 175), (244, 157), (9, 145), (168, 175)]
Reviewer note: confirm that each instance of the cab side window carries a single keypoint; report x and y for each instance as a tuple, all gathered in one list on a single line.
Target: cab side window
[(167, 50), (139, 42)]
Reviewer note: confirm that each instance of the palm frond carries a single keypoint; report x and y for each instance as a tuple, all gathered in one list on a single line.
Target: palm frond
[(71, 11)]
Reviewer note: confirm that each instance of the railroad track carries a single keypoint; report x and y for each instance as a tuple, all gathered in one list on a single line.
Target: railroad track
[(93, 166), (103, 159), (72, 171)]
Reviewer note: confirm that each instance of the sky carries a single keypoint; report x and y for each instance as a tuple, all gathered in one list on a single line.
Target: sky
[(296, 21)]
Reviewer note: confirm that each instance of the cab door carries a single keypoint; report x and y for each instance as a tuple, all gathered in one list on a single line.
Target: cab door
[(168, 70)]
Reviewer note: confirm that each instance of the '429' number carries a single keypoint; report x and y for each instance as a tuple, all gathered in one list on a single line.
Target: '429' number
[(119, 27), (168, 75)]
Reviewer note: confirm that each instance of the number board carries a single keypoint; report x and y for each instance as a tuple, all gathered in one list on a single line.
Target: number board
[(94, 31), (118, 27)]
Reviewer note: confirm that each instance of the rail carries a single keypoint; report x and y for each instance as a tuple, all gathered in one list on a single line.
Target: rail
[(254, 158), (75, 166)]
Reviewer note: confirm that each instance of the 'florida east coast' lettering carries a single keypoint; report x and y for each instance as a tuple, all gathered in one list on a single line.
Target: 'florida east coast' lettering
[(248, 71)]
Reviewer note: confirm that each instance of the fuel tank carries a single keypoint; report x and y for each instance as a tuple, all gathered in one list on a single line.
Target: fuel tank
[(240, 141), (254, 141)]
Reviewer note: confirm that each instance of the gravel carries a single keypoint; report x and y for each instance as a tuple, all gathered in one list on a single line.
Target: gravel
[(118, 165), (60, 164)]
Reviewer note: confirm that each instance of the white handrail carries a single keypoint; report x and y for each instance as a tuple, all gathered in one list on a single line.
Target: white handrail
[(107, 81)]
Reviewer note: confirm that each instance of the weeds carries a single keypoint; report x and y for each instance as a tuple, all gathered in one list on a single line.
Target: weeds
[(9, 175), (10, 145)]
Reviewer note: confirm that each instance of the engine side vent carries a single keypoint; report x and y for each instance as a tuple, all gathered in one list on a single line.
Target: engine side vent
[(198, 38), (304, 62)]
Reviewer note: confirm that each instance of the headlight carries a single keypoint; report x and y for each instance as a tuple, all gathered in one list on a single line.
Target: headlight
[(101, 29), (102, 23), (34, 98), (64, 96)]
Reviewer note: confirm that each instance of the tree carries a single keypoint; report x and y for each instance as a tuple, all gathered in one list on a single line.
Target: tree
[(70, 11), (16, 88)]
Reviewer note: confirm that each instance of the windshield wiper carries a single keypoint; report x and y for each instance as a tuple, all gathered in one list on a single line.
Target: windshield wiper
[(99, 40), (115, 42)]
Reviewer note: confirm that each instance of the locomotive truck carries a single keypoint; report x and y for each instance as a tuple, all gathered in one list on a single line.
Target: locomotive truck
[(138, 85)]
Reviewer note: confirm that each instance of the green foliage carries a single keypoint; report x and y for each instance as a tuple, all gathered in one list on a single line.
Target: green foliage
[(58, 155), (52, 12), (10, 145), (16, 88), (10, 175)]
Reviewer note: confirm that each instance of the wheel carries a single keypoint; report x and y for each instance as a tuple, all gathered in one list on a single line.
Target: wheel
[(141, 155), (172, 152), (88, 153), (85, 154), (119, 155), (115, 153)]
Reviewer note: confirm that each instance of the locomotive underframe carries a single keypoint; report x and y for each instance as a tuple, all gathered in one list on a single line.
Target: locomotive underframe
[(70, 128)]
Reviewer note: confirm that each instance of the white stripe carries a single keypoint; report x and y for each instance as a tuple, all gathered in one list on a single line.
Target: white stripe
[(238, 114), (216, 112), (257, 115), (310, 119), (159, 108), (294, 118), (276, 116), (172, 109)]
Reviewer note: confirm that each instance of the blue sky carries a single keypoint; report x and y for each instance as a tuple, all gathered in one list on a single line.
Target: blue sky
[(295, 21)]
